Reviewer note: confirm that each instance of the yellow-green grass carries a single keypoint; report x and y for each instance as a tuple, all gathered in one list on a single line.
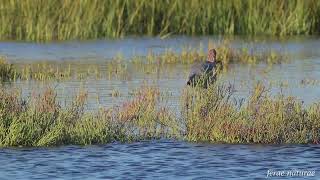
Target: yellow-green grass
[(43, 20), (7, 71), (207, 115), (225, 54), (214, 115), (41, 121)]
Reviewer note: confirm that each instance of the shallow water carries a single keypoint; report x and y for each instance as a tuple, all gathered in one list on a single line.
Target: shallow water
[(288, 78), (100, 50), (157, 160)]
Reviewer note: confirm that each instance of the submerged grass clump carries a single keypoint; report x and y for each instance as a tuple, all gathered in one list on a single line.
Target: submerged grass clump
[(43, 72), (226, 54), (60, 20), (7, 72), (213, 115)]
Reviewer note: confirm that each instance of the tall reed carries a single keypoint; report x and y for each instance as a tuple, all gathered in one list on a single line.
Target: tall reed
[(43, 20)]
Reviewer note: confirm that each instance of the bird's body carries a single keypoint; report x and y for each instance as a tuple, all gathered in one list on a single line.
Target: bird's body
[(202, 74)]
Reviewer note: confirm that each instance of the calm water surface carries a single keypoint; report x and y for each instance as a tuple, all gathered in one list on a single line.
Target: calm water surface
[(157, 160)]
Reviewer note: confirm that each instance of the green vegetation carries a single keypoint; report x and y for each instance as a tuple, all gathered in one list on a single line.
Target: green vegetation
[(7, 72), (214, 115), (43, 20), (40, 120), (226, 54), (210, 115)]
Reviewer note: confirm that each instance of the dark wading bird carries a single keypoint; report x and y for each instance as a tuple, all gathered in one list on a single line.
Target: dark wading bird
[(206, 73)]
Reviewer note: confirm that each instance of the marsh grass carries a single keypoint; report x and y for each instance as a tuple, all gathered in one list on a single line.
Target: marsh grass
[(225, 54), (40, 120), (214, 115), (207, 115), (41, 20), (44, 72), (7, 71)]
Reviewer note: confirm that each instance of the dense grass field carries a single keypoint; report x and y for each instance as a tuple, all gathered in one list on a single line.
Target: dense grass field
[(42, 20)]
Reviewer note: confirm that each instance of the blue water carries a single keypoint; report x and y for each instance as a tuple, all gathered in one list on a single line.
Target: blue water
[(102, 50), (157, 160)]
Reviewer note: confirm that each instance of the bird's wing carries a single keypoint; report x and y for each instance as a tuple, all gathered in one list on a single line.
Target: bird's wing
[(196, 70)]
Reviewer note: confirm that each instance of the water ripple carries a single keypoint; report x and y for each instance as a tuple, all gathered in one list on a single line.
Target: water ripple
[(156, 160)]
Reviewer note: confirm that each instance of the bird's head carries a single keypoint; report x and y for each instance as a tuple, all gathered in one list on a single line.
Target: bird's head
[(212, 54)]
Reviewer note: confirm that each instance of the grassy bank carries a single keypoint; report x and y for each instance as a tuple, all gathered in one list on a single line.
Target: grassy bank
[(43, 20), (212, 115)]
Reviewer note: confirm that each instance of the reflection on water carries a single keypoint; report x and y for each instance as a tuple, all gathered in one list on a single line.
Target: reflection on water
[(157, 160)]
